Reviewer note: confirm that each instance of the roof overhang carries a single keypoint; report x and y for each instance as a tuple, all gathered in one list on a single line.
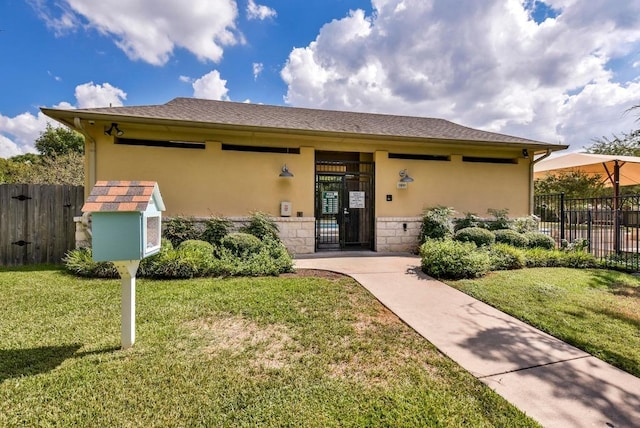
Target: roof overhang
[(68, 117)]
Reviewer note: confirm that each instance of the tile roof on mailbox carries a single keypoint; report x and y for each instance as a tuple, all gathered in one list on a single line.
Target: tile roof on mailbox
[(211, 113), (107, 196)]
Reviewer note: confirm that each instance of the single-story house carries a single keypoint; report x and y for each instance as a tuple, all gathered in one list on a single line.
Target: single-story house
[(331, 179)]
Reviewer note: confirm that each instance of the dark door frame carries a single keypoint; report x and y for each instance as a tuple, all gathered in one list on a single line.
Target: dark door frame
[(344, 205)]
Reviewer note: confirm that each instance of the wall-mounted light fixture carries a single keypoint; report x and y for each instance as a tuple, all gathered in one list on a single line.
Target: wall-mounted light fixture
[(114, 128), (285, 171), (525, 153), (404, 177)]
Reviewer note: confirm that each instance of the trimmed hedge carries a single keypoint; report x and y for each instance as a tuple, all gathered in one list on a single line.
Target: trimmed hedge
[(450, 259), (477, 235), (506, 257), (539, 240), (511, 237)]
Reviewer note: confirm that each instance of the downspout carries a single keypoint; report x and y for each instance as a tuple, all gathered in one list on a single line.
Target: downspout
[(91, 160), (91, 179), (531, 187)]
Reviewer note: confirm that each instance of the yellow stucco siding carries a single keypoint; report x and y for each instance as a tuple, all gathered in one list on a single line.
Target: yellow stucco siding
[(464, 186), (213, 181)]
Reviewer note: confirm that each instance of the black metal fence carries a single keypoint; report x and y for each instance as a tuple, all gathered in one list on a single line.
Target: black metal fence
[(610, 226)]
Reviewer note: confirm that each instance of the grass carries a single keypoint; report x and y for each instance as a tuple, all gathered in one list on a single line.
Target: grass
[(287, 351), (595, 310)]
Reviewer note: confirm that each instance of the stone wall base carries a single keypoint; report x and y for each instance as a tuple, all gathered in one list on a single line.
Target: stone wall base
[(397, 234), (393, 234)]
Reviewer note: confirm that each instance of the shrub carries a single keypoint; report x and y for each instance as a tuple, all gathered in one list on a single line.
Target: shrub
[(477, 235), (179, 229), (541, 257), (271, 259), (526, 224), (506, 257), (453, 259), (436, 223), (80, 262), (261, 226), (148, 264), (539, 240), (511, 237), (199, 247), (500, 219), (578, 259), (578, 245), (241, 244), (469, 220), (215, 229), (178, 264)]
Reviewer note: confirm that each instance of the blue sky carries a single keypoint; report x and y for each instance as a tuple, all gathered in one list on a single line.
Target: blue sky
[(560, 71)]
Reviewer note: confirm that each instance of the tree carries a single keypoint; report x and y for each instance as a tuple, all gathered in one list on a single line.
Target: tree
[(59, 141), (574, 184), (626, 145)]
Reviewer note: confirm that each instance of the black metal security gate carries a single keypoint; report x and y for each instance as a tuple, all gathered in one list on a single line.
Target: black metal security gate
[(344, 205)]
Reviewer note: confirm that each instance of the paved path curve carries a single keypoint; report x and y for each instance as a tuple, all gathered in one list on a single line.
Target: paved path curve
[(554, 383)]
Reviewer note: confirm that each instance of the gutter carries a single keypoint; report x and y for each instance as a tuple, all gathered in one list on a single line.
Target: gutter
[(531, 187)]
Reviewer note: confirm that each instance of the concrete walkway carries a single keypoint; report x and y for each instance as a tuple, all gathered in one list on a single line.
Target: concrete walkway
[(554, 383)]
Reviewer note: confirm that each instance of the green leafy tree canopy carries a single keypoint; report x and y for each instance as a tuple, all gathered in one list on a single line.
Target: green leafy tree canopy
[(59, 141), (574, 184)]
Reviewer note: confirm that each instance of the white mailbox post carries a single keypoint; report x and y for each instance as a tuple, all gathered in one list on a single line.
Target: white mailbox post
[(126, 226)]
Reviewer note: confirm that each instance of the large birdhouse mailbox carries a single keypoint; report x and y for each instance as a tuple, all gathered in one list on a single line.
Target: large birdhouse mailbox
[(126, 227), (125, 219)]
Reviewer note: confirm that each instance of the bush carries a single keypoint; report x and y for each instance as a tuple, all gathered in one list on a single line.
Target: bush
[(578, 260), (178, 264), (179, 229), (469, 220), (80, 262), (500, 219), (215, 229), (147, 265), (539, 240), (506, 257), (242, 244), (261, 226), (476, 235), (526, 224), (436, 223), (541, 257), (200, 247), (271, 259), (449, 259), (511, 237)]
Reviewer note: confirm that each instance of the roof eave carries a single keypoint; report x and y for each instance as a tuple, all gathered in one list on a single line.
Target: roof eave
[(67, 117)]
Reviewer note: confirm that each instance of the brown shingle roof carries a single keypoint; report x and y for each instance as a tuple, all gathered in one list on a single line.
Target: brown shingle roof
[(119, 196), (233, 114)]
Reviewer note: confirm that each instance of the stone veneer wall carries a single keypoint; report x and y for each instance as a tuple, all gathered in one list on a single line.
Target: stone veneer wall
[(391, 235), (297, 233)]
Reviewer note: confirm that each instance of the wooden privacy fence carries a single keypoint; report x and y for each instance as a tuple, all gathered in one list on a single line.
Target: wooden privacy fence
[(36, 222)]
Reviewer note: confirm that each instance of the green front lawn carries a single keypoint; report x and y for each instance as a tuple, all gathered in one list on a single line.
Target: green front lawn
[(287, 351), (595, 310)]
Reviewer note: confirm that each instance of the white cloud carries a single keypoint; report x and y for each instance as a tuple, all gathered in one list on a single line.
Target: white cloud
[(483, 64), (149, 30), (90, 95), (211, 86), (18, 133), (257, 69), (261, 12), (8, 148)]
